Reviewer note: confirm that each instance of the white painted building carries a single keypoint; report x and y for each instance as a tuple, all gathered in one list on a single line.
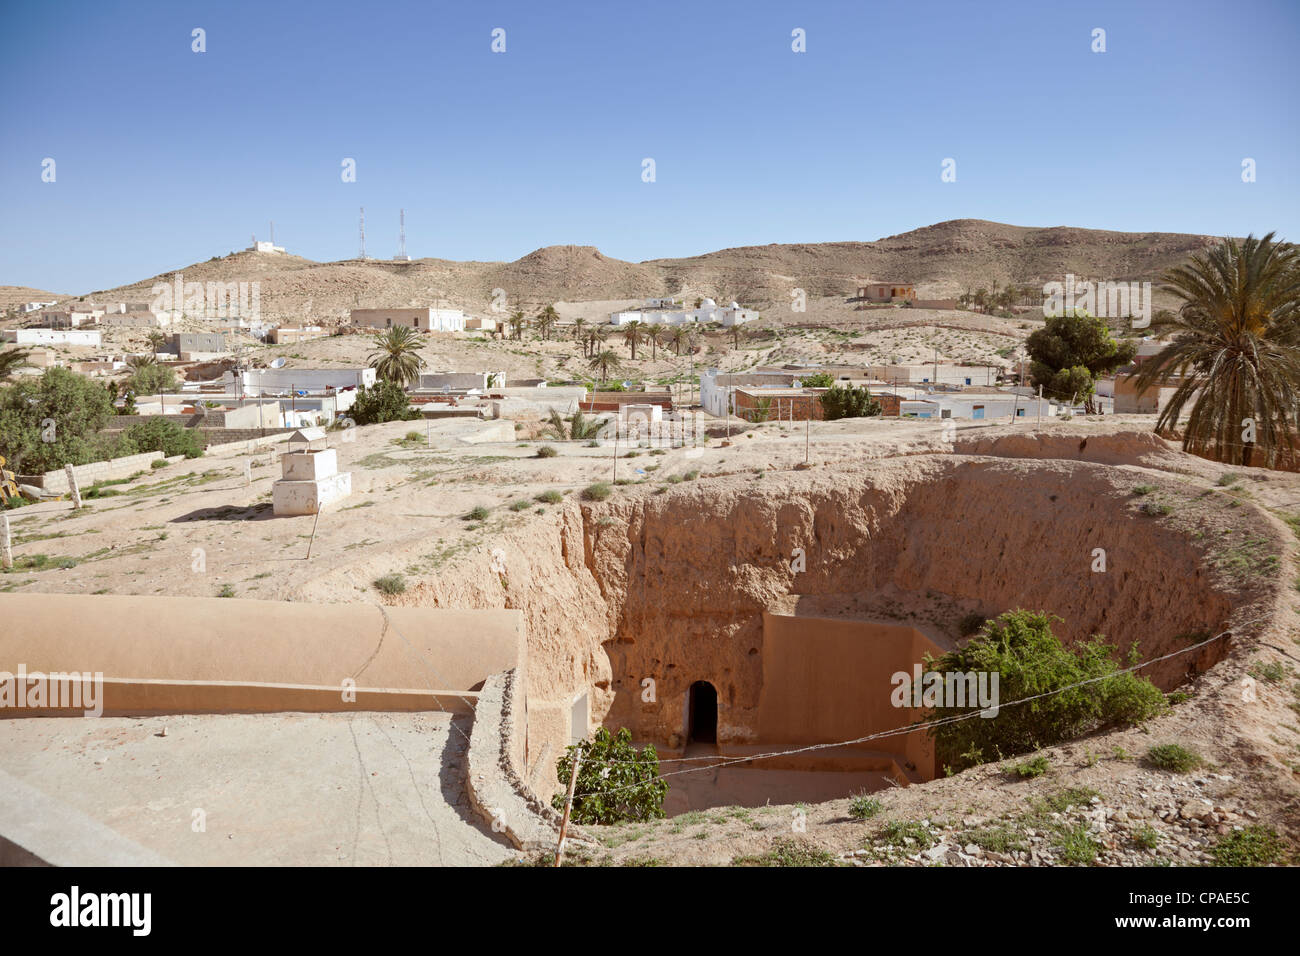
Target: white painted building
[(264, 246), (709, 311), (976, 406), (89, 337), (34, 306), (312, 381), (716, 387)]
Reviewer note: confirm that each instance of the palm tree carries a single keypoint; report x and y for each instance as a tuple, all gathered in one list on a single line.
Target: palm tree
[(736, 333), (605, 363), (595, 339), (11, 360), (653, 333), (579, 324), (396, 357), (1236, 349), (633, 336), (680, 337), (517, 324), (581, 427), (546, 320), (156, 340)]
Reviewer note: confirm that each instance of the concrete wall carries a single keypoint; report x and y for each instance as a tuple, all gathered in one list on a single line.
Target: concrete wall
[(52, 337), (183, 655), (271, 380), (826, 680), (87, 475)]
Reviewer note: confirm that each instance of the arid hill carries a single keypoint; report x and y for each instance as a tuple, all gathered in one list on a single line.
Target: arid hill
[(942, 260)]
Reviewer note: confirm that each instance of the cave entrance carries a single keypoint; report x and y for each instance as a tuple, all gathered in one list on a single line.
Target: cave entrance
[(702, 721)]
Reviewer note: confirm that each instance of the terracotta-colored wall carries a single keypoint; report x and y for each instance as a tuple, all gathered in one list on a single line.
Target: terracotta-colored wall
[(827, 680), (233, 653)]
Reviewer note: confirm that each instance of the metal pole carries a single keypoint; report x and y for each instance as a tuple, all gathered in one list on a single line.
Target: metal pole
[(807, 437), (568, 804), (8, 546), (313, 530)]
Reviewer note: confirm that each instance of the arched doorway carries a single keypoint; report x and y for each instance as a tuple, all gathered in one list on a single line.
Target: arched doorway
[(703, 714)]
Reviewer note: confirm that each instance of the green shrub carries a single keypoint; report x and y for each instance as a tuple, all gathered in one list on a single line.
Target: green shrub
[(546, 451), (1255, 845), (477, 513), (1141, 490), (1020, 647), (521, 505), (1228, 478), (1147, 837), (597, 492), (227, 591), (692, 474), (1175, 758), (968, 624), (848, 401), (863, 807), (1032, 768), (788, 851), (616, 782), (386, 402), (1076, 845), (551, 497), (158, 463), (160, 435), (391, 584)]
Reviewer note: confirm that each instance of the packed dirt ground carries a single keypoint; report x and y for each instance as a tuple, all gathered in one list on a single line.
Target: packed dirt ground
[(200, 528)]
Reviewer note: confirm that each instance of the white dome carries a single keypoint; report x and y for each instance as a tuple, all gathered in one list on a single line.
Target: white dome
[(708, 304), (734, 305)]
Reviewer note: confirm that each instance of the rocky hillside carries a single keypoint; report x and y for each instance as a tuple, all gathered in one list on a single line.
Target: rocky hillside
[(942, 260)]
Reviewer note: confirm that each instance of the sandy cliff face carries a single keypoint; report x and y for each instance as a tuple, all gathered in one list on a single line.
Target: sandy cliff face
[(672, 586)]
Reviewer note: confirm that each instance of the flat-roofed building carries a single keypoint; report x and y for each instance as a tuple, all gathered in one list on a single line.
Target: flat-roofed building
[(422, 320)]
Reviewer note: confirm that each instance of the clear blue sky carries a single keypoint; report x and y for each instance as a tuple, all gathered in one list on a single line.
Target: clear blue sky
[(166, 157)]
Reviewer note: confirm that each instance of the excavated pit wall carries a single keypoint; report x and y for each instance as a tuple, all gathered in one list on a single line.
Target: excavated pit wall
[(672, 586)]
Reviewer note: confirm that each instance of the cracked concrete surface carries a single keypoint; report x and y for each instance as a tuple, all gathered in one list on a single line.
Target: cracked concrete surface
[(359, 789)]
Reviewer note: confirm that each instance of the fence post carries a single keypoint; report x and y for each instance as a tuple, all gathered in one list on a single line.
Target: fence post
[(72, 487)]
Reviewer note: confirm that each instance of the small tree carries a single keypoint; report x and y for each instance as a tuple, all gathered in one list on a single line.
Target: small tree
[(160, 435), (1029, 660), (1079, 345), (386, 402), (848, 401), (616, 782)]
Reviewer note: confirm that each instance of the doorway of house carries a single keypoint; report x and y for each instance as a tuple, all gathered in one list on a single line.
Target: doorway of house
[(703, 727)]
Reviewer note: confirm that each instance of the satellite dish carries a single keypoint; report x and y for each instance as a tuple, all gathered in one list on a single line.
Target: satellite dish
[(278, 363)]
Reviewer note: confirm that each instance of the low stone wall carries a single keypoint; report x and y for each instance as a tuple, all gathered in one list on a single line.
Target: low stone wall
[(87, 475), (495, 787)]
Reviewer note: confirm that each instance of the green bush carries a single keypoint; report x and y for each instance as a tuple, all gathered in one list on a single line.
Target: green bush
[(391, 584), (152, 378), (386, 402), (1175, 758), (848, 401), (158, 463), (615, 781), (863, 807), (1032, 768), (1020, 647), (77, 408), (477, 513), (521, 505), (546, 451), (551, 497), (970, 623), (1253, 846), (167, 437), (597, 492)]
